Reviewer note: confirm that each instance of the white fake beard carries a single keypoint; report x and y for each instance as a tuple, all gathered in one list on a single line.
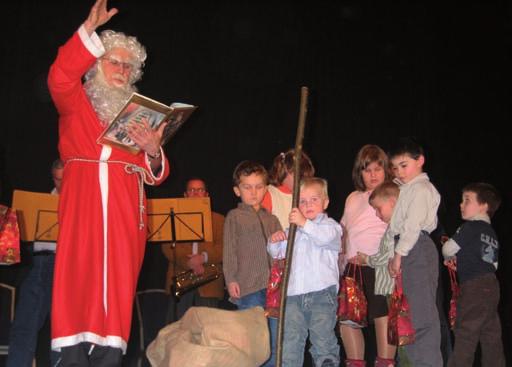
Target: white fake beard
[(106, 100)]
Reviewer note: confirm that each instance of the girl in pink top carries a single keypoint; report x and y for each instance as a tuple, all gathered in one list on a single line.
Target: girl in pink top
[(362, 232)]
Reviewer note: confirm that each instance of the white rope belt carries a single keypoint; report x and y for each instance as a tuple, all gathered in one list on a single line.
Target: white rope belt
[(130, 168)]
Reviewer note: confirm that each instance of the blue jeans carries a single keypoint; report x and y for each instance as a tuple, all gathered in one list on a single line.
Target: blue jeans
[(259, 299), (313, 312), (32, 309)]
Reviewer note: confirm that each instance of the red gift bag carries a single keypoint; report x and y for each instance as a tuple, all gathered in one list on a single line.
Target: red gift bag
[(274, 287), (352, 304), (400, 329), (452, 313), (9, 237)]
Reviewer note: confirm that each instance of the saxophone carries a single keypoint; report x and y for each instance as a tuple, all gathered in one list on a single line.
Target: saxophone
[(186, 280)]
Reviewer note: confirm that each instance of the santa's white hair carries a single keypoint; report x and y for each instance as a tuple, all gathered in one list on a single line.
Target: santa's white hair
[(107, 100), (111, 40)]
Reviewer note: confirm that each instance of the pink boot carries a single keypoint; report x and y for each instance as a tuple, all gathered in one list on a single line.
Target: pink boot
[(355, 363), (382, 362)]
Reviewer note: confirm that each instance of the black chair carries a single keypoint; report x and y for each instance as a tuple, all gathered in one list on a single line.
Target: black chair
[(151, 308)]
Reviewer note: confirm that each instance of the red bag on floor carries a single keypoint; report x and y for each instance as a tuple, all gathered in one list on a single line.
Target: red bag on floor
[(352, 304), (274, 287), (9, 237), (400, 329), (452, 313)]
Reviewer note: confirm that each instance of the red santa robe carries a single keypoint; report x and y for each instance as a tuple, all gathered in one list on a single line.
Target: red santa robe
[(100, 244)]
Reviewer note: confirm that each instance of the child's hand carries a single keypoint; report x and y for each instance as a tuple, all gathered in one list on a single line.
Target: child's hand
[(394, 265), (296, 217), (234, 290), (451, 263), (278, 236), (361, 258)]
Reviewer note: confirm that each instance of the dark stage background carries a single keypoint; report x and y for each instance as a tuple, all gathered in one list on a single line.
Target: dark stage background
[(375, 70)]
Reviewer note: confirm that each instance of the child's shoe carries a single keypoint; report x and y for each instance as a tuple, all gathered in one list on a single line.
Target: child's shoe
[(355, 363), (328, 363), (382, 362)]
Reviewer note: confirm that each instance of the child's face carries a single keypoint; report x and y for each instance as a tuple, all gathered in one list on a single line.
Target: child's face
[(251, 190), (469, 207), (312, 201), (288, 180), (406, 168), (373, 175), (384, 208)]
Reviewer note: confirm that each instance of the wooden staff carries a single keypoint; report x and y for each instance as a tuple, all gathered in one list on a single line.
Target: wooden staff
[(293, 227)]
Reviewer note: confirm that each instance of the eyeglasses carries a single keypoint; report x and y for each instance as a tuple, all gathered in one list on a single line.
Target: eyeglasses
[(118, 63), (198, 189)]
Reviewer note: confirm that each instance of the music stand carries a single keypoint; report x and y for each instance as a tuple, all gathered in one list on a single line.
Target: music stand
[(179, 220), (37, 215)]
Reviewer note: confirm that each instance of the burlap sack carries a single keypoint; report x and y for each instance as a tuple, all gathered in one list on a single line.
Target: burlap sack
[(208, 337)]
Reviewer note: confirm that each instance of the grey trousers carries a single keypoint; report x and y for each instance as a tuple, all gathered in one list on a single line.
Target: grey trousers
[(420, 269)]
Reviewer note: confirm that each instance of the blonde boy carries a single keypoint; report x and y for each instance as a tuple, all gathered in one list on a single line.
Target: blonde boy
[(312, 290)]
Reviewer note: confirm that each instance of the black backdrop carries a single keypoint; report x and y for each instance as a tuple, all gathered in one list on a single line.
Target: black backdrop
[(375, 70)]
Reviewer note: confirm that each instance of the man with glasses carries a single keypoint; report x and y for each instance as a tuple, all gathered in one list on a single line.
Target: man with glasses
[(193, 256), (102, 216)]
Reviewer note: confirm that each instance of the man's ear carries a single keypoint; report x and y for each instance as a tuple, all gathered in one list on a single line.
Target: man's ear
[(236, 190)]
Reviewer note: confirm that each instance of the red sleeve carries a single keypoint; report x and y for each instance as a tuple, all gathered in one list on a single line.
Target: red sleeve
[(267, 202), (65, 75)]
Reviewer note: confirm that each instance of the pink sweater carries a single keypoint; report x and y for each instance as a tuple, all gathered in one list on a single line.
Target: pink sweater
[(362, 226)]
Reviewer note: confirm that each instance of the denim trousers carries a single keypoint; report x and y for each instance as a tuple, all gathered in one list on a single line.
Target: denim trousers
[(32, 309), (313, 313), (259, 299)]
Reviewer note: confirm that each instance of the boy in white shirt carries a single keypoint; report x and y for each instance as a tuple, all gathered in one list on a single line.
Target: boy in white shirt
[(416, 256)]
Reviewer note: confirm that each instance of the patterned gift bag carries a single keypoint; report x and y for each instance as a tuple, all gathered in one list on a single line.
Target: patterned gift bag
[(400, 329), (274, 287), (352, 304), (9, 237), (452, 313)]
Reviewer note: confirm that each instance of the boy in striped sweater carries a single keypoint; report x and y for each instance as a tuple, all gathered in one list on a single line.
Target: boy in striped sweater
[(383, 200)]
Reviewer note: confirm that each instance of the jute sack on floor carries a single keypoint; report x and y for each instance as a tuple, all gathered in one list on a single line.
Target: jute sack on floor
[(209, 337)]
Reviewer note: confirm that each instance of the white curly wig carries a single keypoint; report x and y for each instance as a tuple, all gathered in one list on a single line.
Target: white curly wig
[(112, 39)]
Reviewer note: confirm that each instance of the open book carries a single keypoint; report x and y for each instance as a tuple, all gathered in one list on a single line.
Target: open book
[(137, 108)]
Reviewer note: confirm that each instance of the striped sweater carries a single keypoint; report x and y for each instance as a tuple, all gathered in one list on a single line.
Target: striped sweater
[(384, 284)]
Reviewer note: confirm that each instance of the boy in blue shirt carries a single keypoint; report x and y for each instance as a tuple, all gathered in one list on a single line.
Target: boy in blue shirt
[(311, 301), (476, 246)]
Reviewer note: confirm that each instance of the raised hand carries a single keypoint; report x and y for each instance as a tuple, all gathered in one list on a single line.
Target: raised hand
[(98, 16)]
